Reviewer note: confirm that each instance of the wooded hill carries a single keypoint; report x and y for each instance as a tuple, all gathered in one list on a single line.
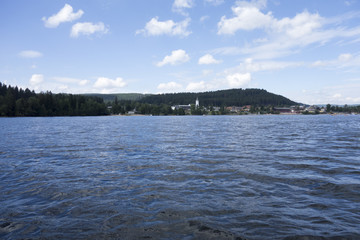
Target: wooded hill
[(231, 97), (120, 96)]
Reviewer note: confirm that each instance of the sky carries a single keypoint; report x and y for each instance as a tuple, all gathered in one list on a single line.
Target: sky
[(305, 50)]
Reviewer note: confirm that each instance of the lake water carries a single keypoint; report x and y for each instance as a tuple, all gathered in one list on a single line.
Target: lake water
[(191, 177)]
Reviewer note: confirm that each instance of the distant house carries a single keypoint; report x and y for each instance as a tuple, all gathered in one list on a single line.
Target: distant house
[(132, 112), (234, 109), (186, 107), (177, 107), (312, 109), (302, 107), (246, 108)]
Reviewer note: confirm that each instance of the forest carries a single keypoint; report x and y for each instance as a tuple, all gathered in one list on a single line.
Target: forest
[(15, 101), (231, 97)]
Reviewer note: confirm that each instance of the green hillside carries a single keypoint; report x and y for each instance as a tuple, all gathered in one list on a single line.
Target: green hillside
[(231, 97), (120, 96)]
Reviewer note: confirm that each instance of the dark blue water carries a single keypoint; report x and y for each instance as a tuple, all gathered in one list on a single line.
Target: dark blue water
[(221, 177)]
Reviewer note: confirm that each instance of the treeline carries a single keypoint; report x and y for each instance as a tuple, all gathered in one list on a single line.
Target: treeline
[(136, 107), (19, 102), (231, 97), (110, 97), (342, 109), (15, 101)]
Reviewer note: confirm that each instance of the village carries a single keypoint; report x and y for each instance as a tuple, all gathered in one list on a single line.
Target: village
[(249, 109)]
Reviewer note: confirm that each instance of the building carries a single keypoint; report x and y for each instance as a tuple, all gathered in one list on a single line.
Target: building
[(177, 107), (234, 109), (186, 107)]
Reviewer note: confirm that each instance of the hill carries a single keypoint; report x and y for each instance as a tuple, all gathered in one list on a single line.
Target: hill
[(231, 97), (119, 96)]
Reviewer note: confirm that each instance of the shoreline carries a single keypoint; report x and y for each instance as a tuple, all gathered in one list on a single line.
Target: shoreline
[(205, 115), (188, 115)]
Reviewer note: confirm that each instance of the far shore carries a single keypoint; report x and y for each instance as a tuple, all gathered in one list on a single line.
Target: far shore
[(189, 115), (250, 114)]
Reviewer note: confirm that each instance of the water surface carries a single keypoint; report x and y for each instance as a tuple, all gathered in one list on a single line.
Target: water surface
[(212, 177)]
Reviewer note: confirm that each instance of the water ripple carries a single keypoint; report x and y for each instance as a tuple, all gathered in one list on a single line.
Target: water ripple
[(243, 177)]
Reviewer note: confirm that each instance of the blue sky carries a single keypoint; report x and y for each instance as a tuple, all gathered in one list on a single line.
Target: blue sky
[(308, 51)]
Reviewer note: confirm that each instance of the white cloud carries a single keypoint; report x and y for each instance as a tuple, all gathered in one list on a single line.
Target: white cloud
[(36, 79), (204, 18), (337, 95), (208, 59), (345, 57), (345, 60), (197, 86), (107, 84), (30, 54), (156, 28), (227, 79), (233, 80), (247, 17), (249, 65), (253, 3), (215, 2), (207, 72), (289, 35), (347, 93), (66, 14), (183, 3), (303, 24), (355, 100), (88, 28), (83, 82), (38, 82), (80, 82), (228, 51), (319, 63), (261, 40), (238, 80), (176, 57), (62, 88), (180, 5), (349, 3), (170, 86), (283, 36)]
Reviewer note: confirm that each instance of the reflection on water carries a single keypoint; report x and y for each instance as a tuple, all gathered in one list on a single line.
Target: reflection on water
[(221, 177)]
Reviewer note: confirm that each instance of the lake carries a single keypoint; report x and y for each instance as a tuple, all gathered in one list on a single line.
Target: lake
[(190, 177)]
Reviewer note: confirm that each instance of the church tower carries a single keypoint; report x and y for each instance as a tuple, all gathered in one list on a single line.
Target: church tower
[(197, 103)]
